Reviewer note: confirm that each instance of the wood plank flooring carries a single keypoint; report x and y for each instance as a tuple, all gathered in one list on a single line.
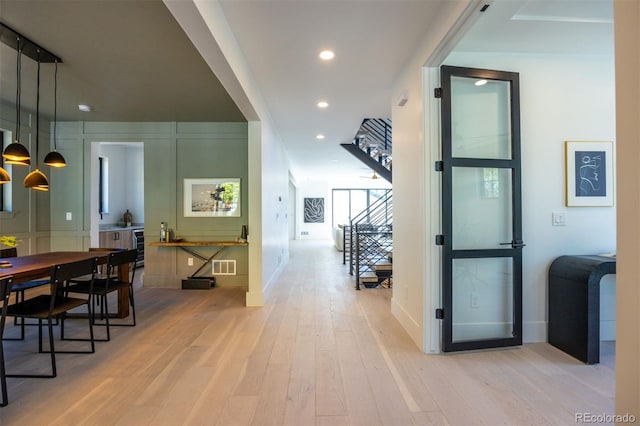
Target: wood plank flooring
[(317, 353)]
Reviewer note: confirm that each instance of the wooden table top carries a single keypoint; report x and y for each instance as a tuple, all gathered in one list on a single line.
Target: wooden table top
[(198, 244), (25, 268)]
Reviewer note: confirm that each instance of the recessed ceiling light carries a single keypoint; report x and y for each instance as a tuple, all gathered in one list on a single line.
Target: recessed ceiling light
[(84, 108), (320, 136), (480, 82), (327, 55), (323, 104)]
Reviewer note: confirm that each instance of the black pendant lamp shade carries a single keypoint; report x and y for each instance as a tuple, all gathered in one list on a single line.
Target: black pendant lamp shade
[(36, 179), (4, 176), (15, 152), (54, 158)]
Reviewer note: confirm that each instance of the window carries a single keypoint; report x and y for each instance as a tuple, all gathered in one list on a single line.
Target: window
[(5, 189), (348, 203), (103, 189)]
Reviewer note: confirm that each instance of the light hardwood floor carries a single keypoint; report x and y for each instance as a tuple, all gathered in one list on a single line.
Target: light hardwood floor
[(317, 353)]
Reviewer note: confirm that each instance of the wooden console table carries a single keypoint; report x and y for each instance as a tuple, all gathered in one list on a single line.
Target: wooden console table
[(574, 304), (188, 246)]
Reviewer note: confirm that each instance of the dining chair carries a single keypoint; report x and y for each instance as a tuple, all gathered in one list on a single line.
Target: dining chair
[(5, 292), (109, 283), (19, 290), (56, 304)]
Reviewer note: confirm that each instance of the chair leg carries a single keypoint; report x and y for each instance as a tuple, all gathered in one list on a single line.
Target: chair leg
[(105, 305), (3, 379), (53, 351), (133, 305), (40, 350), (93, 345), (39, 335), (133, 311)]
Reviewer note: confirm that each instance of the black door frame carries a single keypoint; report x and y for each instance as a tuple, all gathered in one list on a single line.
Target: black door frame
[(515, 249)]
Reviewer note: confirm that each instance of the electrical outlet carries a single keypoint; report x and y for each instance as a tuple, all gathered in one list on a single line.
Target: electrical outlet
[(190, 261), (68, 216), (475, 299)]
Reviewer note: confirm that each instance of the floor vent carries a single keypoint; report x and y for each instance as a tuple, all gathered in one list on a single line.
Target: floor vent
[(223, 267)]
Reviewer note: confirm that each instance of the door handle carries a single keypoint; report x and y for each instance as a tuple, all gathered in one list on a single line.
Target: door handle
[(514, 244)]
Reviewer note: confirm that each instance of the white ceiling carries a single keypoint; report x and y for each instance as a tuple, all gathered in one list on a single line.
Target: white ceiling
[(131, 61)]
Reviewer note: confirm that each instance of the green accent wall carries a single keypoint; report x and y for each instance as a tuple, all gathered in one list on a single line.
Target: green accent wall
[(172, 152)]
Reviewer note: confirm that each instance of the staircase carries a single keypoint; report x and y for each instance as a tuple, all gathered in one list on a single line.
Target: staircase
[(368, 245), (372, 145)]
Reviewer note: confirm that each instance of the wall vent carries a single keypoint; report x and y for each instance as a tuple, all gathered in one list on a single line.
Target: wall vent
[(223, 267)]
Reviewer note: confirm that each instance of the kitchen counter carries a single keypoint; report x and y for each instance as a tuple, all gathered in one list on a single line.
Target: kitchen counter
[(121, 228)]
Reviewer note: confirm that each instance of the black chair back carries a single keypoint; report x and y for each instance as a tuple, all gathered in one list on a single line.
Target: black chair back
[(65, 271), (8, 252), (120, 258)]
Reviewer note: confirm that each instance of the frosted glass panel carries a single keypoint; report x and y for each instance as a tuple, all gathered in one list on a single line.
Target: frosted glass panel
[(480, 119), (482, 298), (482, 209)]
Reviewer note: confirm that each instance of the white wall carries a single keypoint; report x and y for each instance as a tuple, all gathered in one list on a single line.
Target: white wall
[(134, 196), (416, 261), (313, 189), (561, 98), (274, 204)]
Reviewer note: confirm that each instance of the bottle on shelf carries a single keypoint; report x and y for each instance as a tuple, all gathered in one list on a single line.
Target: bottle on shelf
[(128, 218), (163, 233)]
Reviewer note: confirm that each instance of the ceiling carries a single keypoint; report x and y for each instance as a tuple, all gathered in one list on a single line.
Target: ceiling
[(131, 61)]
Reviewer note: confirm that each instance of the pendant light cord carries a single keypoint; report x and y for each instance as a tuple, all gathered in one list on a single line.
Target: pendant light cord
[(55, 105), (38, 110), (18, 90)]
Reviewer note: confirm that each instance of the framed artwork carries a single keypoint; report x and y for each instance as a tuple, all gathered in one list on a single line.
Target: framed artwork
[(314, 210), (219, 197), (589, 173)]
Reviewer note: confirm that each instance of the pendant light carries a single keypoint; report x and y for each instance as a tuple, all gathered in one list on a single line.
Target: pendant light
[(15, 152), (54, 158), (36, 179)]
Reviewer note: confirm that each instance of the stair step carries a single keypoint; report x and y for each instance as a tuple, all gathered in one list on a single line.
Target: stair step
[(369, 280)]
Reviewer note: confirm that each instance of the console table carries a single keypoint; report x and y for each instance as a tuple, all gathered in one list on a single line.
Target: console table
[(189, 247), (574, 304)]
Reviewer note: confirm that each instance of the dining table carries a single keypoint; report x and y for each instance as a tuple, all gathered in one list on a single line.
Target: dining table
[(38, 266)]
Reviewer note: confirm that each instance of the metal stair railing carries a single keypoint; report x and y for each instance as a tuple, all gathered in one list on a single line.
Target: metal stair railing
[(370, 238), (372, 145), (378, 214)]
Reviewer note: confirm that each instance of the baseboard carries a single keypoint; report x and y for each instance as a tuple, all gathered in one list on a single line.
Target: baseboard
[(534, 331), (412, 327)]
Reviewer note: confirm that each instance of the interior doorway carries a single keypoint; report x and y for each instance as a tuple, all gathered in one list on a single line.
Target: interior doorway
[(117, 186)]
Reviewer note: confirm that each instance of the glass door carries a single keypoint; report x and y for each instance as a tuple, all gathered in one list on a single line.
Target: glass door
[(481, 209)]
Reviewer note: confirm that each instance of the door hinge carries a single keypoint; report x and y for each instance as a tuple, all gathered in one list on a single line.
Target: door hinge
[(439, 313), (437, 92), (439, 166), (439, 240)]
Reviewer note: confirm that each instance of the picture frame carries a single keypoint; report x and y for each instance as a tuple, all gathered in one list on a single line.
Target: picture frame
[(212, 197), (589, 173)]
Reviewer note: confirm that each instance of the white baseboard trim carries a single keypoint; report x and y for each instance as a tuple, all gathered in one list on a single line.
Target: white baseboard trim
[(254, 298), (534, 331), (411, 326)]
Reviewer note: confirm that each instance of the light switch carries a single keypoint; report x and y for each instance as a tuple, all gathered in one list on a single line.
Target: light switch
[(558, 219), (68, 216)]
